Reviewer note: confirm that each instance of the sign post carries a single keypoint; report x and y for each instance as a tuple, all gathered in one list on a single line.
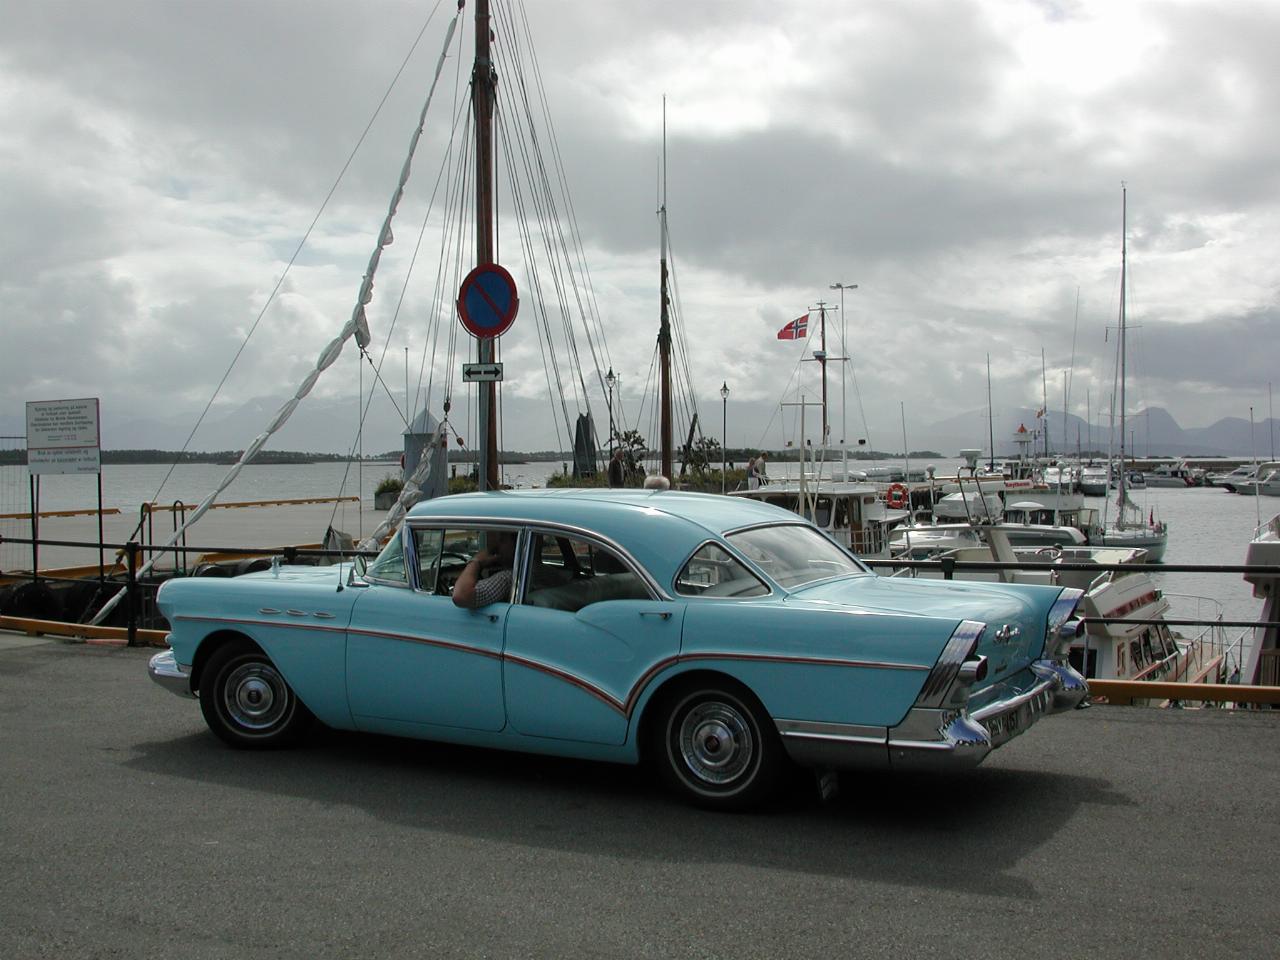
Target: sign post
[(487, 306), (63, 436)]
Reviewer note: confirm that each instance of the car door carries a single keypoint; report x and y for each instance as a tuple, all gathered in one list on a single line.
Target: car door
[(412, 656), (586, 635)]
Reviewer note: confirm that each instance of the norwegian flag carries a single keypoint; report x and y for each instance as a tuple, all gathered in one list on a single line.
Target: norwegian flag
[(796, 329)]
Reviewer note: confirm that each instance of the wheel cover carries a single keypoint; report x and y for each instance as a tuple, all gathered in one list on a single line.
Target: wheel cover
[(716, 742), (256, 696)]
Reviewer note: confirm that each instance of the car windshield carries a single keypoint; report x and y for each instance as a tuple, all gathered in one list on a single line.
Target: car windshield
[(793, 555)]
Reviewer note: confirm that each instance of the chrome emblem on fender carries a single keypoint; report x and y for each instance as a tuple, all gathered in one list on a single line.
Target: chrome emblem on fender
[(1006, 634)]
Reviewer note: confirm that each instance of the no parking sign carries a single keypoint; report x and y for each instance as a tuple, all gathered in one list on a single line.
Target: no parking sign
[(487, 301)]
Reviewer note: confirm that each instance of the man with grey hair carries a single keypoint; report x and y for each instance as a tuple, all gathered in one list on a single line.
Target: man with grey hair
[(657, 481)]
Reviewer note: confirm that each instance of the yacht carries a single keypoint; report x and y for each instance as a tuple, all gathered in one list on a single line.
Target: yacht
[(1173, 475), (1093, 480), (852, 513), (1266, 482)]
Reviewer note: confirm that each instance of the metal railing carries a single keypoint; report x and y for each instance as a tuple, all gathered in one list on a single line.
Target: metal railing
[(139, 599)]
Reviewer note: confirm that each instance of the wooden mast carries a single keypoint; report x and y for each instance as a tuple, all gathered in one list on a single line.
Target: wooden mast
[(664, 323), (1124, 266), (483, 83)]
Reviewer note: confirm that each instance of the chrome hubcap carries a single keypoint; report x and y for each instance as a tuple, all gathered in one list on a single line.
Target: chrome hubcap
[(716, 743), (256, 696)]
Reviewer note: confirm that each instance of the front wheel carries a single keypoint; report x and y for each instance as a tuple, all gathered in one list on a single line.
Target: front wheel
[(715, 745), (246, 701)]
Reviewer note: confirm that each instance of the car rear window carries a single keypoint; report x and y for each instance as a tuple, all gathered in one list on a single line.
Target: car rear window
[(793, 555)]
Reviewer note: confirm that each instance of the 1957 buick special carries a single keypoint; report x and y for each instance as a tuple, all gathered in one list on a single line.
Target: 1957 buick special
[(721, 639)]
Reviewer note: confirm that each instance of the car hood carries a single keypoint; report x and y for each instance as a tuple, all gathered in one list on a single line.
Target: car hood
[(1016, 615)]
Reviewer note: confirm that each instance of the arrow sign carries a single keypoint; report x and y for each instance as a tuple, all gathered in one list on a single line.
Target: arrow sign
[(487, 301), (481, 372)]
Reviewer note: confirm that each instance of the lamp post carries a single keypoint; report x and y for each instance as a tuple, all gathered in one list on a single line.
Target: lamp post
[(724, 431), (844, 352), (610, 379)]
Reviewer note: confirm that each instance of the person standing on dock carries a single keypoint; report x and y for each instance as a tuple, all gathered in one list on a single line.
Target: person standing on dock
[(756, 471), (617, 469)]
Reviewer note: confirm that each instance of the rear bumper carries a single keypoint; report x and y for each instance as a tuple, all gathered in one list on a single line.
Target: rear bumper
[(170, 674), (937, 739)]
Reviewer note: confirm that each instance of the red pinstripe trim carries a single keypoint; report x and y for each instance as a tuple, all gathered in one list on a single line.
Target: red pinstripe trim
[(815, 661), (625, 708), (588, 688)]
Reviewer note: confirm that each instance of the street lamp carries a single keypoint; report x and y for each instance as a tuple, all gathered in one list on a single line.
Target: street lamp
[(844, 352), (610, 379), (724, 430)]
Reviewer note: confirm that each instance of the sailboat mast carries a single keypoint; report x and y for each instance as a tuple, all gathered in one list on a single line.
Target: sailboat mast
[(664, 321), (821, 356), (991, 416), (1124, 266), (483, 83)]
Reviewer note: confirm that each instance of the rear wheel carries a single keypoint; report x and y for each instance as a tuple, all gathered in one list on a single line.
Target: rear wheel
[(715, 745), (246, 701)]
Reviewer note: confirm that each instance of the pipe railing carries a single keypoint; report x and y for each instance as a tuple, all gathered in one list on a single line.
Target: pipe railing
[(136, 589)]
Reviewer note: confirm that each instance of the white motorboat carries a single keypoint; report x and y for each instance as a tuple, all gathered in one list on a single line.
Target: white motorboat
[(1262, 666), (1266, 482), (1173, 475), (852, 513), (1093, 480)]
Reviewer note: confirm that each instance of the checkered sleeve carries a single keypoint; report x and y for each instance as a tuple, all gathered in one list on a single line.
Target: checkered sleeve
[(494, 589)]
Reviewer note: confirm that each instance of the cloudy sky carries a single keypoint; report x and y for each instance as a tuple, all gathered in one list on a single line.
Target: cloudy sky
[(961, 161)]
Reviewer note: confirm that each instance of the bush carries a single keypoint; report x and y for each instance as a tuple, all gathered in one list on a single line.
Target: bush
[(389, 484)]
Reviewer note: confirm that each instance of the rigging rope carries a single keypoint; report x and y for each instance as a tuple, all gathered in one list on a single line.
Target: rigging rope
[(356, 326)]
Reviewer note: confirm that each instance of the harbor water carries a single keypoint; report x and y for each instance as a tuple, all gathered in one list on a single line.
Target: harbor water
[(1208, 525)]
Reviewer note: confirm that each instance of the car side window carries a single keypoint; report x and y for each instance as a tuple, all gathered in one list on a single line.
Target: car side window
[(714, 572), (389, 564), (444, 552), (569, 573)]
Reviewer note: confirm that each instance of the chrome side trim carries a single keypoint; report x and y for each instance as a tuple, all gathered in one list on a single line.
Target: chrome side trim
[(834, 746), (938, 740), (173, 676), (964, 640), (1070, 690), (1057, 636)]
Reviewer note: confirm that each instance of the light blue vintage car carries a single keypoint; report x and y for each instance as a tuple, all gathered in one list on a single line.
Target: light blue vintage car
[(720, 639)]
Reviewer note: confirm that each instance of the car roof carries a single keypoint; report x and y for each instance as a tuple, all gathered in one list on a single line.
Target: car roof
[(660, 528)]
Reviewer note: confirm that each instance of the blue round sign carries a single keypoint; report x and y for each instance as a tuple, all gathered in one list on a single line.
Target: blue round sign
[(487, 301)]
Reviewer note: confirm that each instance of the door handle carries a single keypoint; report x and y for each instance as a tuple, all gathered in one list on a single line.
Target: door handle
[(664, 614)]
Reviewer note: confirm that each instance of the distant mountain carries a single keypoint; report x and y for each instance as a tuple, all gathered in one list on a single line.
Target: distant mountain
[(1152, 432), (329, 425)]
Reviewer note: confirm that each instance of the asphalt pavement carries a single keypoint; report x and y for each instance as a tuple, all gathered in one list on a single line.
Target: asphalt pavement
[(129, 831)]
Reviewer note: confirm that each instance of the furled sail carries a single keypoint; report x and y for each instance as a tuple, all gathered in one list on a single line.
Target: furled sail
[(356, 326)]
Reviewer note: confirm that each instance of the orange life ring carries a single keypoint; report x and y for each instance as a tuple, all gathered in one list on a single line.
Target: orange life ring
[(896, 496)]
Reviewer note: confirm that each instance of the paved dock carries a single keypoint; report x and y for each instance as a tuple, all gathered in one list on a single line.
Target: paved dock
[(129, 831)]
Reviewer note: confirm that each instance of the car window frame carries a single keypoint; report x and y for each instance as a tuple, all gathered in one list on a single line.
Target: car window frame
[(405, 556), (488, 525), (535, 528), (766, 582), (863, 569)]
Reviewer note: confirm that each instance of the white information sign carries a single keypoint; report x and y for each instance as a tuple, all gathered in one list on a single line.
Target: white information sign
[(63, 436)]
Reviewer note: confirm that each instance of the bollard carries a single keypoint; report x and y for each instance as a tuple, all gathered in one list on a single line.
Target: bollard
[(948, 568)]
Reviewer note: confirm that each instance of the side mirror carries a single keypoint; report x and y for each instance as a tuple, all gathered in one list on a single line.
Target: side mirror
[(359, 566)]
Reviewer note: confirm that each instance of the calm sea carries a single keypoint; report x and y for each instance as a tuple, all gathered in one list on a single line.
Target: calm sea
[(1207, 524)]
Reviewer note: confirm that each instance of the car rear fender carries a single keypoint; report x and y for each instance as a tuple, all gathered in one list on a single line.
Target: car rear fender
[(817, 662)]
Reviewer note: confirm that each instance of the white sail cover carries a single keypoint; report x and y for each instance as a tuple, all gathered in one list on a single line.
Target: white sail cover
[(357, 326)]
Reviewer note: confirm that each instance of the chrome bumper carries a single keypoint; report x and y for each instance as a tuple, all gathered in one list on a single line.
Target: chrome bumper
[(170, 674), (936, 739)]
